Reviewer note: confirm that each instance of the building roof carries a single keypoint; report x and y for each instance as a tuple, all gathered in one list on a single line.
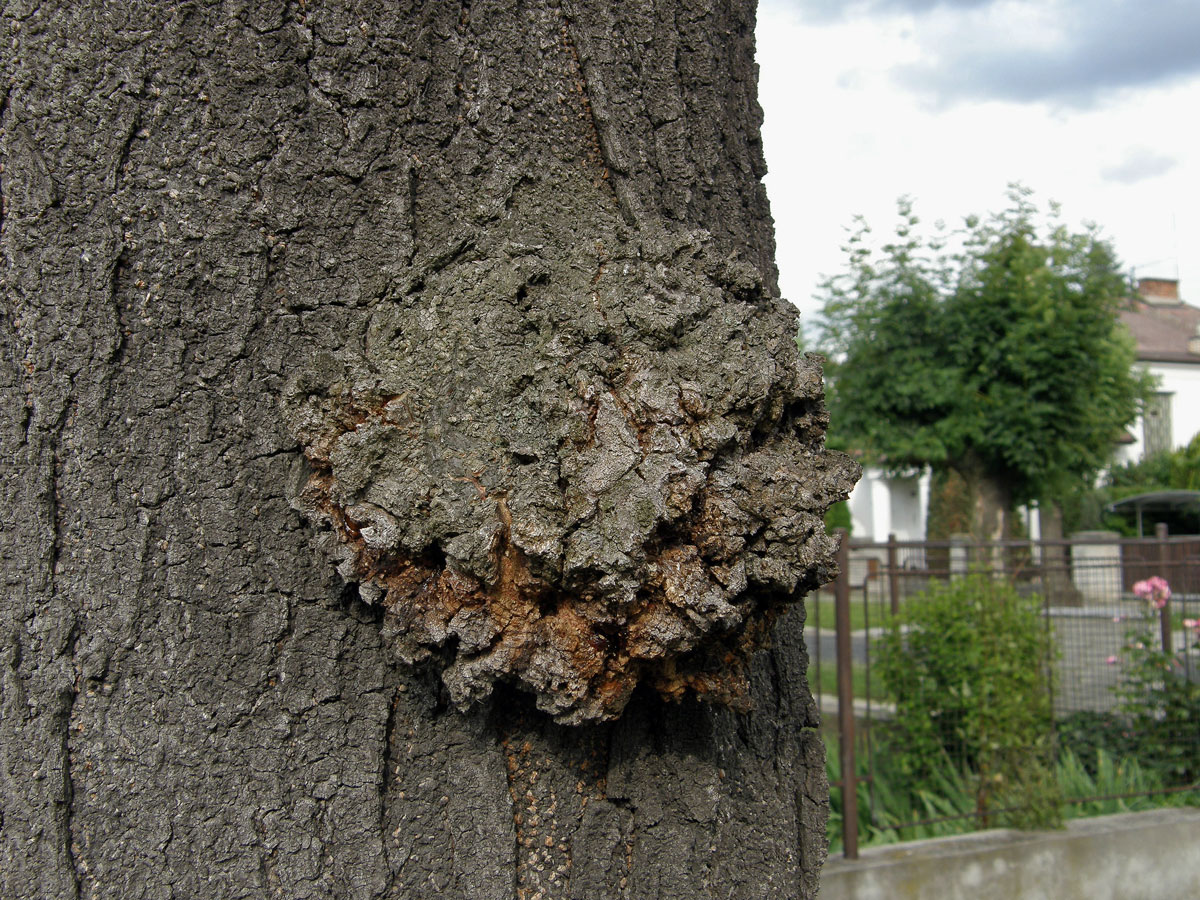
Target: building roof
[(1163, 330)]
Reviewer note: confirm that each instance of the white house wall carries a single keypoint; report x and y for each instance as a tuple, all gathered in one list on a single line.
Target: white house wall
[(880, 506), (1182, 382)]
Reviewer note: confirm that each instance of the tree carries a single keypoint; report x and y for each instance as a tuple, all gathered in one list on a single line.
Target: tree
[(1169, 470), (1004, 361), (477, 303)]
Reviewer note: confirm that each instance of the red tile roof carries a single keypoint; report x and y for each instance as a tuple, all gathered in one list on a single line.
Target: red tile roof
[(1162, 331)]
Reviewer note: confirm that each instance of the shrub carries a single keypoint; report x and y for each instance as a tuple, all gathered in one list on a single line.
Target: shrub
[(968, 665), (1158, 695), (1085, 509), (1088, 736), (838, 516)]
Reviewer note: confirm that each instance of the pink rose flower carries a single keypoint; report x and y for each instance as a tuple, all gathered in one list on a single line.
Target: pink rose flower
[(1153, 590)]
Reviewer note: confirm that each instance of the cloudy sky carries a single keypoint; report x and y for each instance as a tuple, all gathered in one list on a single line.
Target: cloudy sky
[(1091, 103)]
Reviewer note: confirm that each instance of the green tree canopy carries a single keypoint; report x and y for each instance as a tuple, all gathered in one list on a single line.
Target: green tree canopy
[(1003, 359), (1169, 470)]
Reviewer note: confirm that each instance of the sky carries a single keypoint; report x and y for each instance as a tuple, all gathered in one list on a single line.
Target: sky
[(1094, 104)]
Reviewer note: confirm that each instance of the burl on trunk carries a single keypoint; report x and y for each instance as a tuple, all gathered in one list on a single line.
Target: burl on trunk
[(474, 302)]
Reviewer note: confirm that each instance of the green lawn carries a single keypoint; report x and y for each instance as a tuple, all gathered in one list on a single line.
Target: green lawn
[(827, 672), (821, 612)]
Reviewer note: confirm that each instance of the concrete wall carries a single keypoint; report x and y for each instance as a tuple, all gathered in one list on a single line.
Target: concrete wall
[(1096, 567), (1134, 856)]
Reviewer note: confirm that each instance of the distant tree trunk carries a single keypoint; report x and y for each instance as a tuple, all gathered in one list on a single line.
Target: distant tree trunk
[(1056, 562), (220, 217), (990, 502), (990, 506)]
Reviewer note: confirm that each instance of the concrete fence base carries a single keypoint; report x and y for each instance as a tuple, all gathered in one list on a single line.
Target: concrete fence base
[(1132, 856)]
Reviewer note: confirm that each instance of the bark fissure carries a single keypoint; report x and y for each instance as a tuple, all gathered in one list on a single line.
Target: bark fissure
[(121, 165), (54, 493), (4, 108), (76, 864), (611, 154), (505, 736), (116, 273), (387, 787)]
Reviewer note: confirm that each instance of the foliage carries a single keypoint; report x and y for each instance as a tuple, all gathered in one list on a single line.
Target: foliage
[(971, 743), (1174, 470), (838, 516), (949, 507), (1004, 361), (968, 665), (1105, 783), (889, 810), (1159, 695), (1089, 733)]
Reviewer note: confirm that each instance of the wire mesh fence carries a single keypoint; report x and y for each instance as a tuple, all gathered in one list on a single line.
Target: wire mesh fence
[(1119, 671)]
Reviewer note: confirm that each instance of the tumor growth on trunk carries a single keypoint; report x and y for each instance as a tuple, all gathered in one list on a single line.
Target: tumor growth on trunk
[(574, 467), (484, 290)]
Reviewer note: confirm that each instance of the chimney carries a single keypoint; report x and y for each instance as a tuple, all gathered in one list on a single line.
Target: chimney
[(1159, 291)]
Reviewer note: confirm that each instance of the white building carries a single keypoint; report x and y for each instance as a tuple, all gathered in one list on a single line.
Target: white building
[(1167, 332), (880, 506)]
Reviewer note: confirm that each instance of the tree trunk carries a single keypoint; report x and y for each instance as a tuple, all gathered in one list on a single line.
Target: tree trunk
[(476, 302), (991, 508), (1057, 583)]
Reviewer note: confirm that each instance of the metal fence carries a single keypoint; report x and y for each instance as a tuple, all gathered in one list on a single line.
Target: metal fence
[(1085, 589)]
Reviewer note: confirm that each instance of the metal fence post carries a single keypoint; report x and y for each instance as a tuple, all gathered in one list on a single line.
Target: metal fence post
[(1164, 563), (845, 688), (893, 574)]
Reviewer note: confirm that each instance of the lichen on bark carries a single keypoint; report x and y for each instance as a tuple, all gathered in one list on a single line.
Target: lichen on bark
[(575, 463)]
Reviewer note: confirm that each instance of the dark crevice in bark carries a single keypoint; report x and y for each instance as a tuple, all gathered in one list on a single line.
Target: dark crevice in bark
[(67, 693), (55, 492), (68, 784), (505, 733), (610, 151), (778, 687), (4, 107), (289, 628), (386, 787), (116, 357), (122, 162), (412, 207)]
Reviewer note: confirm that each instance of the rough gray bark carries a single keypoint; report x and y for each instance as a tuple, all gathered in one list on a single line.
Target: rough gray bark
[(255, 253)]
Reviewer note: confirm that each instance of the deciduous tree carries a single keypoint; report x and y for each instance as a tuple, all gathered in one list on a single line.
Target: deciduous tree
[(1002, 360)]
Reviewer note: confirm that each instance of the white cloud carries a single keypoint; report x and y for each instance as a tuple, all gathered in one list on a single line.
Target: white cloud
[(1072, 52), (843, 137), (1138, 164)]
